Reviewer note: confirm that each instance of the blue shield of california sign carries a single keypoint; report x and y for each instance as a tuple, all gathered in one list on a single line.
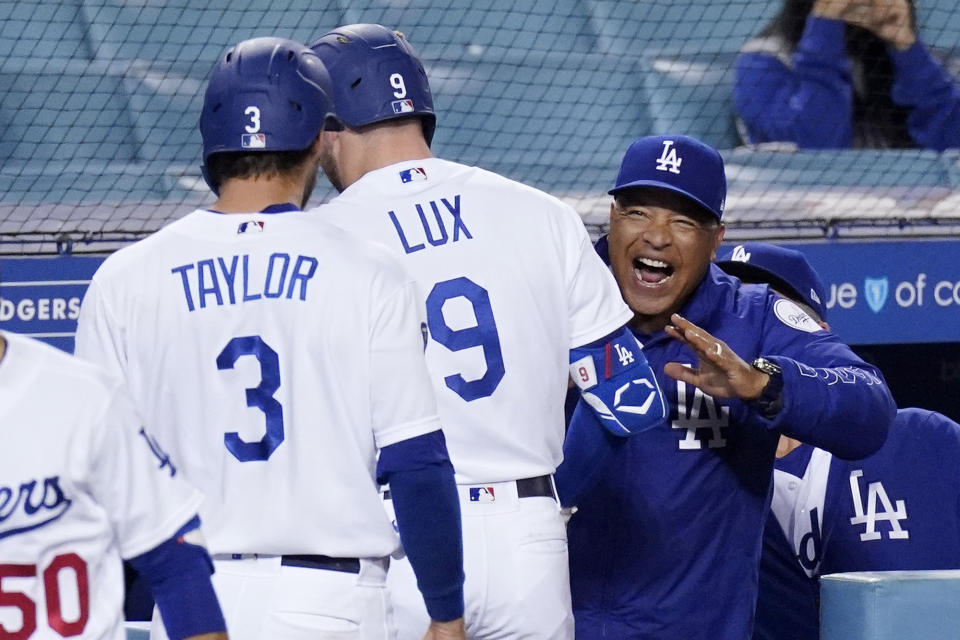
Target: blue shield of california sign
[(876, 290)]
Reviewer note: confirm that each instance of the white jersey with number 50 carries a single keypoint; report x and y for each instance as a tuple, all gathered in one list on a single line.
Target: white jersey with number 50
[(274, 354), (511, 283), (81, 486)]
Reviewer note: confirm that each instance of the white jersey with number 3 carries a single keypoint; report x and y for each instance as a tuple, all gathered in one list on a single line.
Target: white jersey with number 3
[(511, 283), (81, 486), (274, 354)]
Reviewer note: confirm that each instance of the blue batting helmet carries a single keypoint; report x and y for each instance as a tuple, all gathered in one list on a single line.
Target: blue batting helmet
[(376, 76), (264, 94), (786, 270)]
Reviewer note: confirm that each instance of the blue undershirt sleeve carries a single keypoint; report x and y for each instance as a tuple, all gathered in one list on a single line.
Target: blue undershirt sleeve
[(178, 573), (587, 451), (427, 507)]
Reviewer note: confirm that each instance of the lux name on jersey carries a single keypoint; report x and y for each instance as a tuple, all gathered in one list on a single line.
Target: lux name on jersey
[(236, 279), (438, 224)]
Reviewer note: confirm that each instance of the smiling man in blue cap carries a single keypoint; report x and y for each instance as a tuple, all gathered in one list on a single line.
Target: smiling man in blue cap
[(666, 542)]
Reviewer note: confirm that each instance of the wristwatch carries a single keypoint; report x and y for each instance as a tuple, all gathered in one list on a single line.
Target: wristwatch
[(770, 400)]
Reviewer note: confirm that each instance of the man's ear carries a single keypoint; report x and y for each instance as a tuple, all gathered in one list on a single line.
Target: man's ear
[(721, 229)]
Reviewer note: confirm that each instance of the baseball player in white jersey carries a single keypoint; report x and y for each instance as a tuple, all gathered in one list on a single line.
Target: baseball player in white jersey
[(511, 285), (83, 485), (281, 359)]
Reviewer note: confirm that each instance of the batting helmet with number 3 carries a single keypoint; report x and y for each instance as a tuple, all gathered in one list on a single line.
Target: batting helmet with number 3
[(264, 94), (376, 76)]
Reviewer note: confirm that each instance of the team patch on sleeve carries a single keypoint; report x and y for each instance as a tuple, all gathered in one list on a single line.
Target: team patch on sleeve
[(794, 317)]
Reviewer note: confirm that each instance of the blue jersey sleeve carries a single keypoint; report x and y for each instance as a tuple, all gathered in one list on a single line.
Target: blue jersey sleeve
[(178, 573), (587, 451), (922, 85), (810, 104), (427, 507), (831, 398)]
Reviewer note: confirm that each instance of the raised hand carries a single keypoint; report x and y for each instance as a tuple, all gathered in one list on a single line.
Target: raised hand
[(720, 372)]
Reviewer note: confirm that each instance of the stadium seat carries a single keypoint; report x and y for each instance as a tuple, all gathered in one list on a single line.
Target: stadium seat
[(692, 94), (165, 101), (63, 110), (678, 26), (890, 605), (538, 118), (195, 34), (454, 28), (49, 27)]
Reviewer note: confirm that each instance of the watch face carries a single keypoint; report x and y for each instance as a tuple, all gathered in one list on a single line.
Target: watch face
[(766, 366)]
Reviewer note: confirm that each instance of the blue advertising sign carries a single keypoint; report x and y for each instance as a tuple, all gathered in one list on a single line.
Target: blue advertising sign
[(890, 292), (877, 292), (41, 297)]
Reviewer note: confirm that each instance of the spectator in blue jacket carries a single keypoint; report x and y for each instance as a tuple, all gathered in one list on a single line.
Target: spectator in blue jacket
[(833, 74), (898, 509), (665, 544)]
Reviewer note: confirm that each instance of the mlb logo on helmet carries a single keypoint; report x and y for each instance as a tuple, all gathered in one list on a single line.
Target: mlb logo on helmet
[(677, 163), (413, 175), (254, 141), (402, 106), (482, 494), (250, 227)]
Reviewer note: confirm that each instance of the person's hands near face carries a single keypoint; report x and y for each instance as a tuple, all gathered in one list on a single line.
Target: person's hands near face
[(889, 20)]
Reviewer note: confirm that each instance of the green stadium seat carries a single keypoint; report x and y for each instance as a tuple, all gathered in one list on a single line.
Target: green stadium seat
[(43, 28), (692, 94), (63, 110), (678, 26), (535, 119), (455, 28), (196, 33)]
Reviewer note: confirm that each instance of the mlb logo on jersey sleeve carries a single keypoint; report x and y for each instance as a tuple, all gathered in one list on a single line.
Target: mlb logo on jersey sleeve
[(413, 175), (253, 141), (254, 226), (402, 106)]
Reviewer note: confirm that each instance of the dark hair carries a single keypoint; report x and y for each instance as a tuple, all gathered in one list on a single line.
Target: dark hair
[(246, 164), (877, 120)]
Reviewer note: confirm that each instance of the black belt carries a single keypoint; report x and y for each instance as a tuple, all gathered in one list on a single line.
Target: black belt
[(539, 487), (344, 565)]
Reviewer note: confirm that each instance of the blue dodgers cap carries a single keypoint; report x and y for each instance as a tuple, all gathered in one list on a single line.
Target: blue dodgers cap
[(786, 270), (677, 163)]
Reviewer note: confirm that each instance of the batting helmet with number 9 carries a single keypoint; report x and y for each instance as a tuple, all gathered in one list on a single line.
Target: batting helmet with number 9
[(376, 75)]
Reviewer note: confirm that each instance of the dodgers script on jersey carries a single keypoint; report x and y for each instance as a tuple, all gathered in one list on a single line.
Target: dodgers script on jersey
[(82, 485), (506, 271), (236, 304), (894, 510)]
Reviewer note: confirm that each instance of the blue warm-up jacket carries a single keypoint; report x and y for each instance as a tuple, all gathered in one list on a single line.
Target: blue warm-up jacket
[(667, 544)]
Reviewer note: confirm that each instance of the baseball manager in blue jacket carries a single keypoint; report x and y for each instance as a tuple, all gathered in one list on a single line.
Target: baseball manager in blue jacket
[(666, 540)]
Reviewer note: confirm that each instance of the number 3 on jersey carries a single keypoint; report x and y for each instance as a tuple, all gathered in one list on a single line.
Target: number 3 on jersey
[(260, 397), (483, 334)]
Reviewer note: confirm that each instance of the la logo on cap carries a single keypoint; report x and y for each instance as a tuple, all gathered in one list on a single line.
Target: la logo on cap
[(668, 160), (740, 254)]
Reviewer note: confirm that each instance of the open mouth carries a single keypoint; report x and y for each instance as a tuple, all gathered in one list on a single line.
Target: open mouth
[(652, 272)]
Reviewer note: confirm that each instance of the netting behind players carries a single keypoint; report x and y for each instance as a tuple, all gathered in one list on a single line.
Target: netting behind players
[(100, 102)]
